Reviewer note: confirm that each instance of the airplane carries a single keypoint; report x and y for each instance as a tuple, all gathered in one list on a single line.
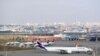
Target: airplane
[(63, 50)]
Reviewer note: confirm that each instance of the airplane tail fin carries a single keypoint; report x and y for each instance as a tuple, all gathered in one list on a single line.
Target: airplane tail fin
[(39, 45)]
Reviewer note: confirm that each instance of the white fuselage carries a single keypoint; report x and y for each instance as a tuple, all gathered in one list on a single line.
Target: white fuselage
[(69, 49)]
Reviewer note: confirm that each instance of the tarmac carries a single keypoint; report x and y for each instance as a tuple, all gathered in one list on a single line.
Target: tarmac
[(36, 52)]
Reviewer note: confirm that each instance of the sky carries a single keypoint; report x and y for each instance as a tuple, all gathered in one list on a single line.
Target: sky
[(49, 11)]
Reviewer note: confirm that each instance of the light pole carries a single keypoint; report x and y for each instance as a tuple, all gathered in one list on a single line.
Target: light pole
[(96, 52)]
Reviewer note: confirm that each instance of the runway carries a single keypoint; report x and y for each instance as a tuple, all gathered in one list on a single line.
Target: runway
[(36, 52)]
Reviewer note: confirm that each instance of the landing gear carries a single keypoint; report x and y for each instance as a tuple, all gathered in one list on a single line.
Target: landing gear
[(63, 52), (89, 52)]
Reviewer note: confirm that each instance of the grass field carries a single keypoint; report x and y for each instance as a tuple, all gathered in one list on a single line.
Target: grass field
[(8, 48), (6, 38), (9, 38)]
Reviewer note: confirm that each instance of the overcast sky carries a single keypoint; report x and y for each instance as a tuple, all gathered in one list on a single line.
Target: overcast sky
[(49, 11)]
